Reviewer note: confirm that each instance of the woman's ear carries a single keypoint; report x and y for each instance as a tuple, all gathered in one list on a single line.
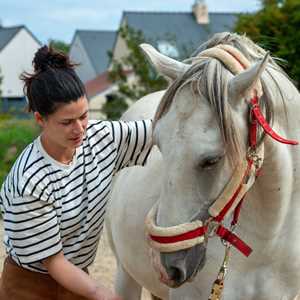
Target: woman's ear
[(39, 119)]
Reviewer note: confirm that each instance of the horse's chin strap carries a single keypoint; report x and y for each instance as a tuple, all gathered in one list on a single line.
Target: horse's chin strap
[(184, 236)]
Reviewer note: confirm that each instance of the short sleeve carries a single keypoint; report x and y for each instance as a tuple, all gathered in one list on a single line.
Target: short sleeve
[(32, 229), (133, 141)]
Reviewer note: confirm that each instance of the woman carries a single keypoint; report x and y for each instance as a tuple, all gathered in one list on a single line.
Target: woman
[(54, 198)]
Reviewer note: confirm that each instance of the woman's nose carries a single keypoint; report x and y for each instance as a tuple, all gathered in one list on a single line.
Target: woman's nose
[(78, 127)]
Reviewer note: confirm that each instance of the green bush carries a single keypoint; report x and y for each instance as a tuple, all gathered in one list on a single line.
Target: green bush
[(5, 117), (15, 135)]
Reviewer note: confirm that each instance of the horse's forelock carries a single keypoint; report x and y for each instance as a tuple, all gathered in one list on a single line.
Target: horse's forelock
[(216, 79)]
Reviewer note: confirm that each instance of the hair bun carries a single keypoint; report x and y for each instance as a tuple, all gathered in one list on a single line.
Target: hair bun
[(47, 57)]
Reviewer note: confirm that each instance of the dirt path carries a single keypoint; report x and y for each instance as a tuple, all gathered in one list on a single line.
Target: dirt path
[(103, 268)]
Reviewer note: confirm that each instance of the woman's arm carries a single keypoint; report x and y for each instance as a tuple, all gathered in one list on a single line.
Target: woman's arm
[(75, 280)]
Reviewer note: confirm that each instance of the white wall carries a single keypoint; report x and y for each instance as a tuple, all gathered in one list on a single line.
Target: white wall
[(120, 50), (77, 54), (96, 103), (15, 58)]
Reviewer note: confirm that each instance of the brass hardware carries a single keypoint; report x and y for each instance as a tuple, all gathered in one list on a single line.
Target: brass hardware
[(218, 285)]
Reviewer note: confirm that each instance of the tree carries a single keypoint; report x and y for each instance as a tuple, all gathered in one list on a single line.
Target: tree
[(114, 107), (276, 28), (146, 79), (1, 100), (59, 45), (1, 78)]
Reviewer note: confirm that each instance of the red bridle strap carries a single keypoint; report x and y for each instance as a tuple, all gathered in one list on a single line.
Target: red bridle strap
[(226, 235), (220, 217), (189, 235), (221, 231), (257, 115)]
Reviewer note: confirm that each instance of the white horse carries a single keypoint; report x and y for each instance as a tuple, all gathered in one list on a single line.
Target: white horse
[(201, 139)]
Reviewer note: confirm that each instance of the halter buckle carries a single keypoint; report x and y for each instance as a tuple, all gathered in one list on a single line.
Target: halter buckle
[(253, 156), (212, 226)]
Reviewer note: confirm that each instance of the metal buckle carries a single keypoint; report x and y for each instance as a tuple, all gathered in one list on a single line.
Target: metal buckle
[(252, 155), (211, 228)]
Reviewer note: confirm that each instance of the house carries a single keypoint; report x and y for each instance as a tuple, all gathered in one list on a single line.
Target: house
[(90, 49), (17, 48), (97, 89), (176, 34)]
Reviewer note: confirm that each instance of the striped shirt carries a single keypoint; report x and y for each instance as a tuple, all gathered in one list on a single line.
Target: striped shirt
[(49, 207)]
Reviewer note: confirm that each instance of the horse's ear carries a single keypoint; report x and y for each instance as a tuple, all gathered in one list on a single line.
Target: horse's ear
[(165, 65), (241, 85)]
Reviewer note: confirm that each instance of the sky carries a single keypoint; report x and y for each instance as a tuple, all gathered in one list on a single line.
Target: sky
[(59, 19)]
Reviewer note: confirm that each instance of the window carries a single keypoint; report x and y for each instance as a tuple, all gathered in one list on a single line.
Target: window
[(168, 49)]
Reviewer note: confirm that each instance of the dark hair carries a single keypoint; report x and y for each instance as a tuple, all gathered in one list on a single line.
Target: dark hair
[(54, 81)]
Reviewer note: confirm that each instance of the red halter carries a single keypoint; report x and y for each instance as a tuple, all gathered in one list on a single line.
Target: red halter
[(225, 234)]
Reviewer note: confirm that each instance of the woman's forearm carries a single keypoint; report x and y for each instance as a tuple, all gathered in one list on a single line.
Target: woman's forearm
[(74, 279)]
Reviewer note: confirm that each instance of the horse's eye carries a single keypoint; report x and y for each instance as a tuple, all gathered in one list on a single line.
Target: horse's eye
[(210, 162)]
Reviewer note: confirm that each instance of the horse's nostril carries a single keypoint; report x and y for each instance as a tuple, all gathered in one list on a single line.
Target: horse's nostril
[(176, 274)]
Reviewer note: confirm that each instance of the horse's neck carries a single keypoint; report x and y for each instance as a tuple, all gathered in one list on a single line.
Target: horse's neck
[(268, 203)]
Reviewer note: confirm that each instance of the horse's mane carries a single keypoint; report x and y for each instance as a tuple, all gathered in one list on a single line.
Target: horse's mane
[(208, 77)]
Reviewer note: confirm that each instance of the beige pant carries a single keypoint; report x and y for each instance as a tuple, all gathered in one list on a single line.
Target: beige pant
[(20, 284)]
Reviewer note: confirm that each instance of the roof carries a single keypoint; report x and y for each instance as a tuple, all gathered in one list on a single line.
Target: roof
[(97, 85), (180, 28), (97, 44), (7, 34)]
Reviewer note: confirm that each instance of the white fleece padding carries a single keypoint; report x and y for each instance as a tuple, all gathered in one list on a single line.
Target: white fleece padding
[(172, 247), (229, 189), (168, 231), (234, 183), (232, 64), (236, 53), (232, 58)]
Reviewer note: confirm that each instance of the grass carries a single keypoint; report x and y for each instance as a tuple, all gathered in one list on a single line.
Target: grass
[(15, 135)]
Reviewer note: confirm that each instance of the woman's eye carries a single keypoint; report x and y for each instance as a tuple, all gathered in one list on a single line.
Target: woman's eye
[(66, 123), (211, 162)]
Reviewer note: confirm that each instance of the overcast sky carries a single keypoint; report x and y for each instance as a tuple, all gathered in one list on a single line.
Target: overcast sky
[(58, 19)]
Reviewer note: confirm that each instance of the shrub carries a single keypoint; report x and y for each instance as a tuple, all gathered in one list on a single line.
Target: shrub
[(15, 135)]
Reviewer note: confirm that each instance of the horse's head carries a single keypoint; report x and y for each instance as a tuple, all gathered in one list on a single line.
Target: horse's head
[(201, 130)]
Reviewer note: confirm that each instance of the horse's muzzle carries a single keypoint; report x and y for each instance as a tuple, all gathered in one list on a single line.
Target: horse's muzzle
[(183, 265)]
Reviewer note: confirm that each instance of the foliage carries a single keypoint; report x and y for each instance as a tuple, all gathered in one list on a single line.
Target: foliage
[(1, 98), (1, 79), (60, 45), (5, 117), (114, 106), (145, 78), (276, 28), (15, 135)]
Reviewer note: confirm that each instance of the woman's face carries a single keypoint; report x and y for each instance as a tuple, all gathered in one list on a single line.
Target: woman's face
[(67, 125)]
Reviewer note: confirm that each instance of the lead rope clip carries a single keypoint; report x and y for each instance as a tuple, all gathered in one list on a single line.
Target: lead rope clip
[(218, 285)]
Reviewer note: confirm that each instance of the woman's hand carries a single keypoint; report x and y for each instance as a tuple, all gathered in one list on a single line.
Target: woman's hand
[(103, 293)]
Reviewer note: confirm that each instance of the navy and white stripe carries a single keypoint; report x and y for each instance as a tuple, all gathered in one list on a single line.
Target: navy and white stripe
[(48, 207)]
